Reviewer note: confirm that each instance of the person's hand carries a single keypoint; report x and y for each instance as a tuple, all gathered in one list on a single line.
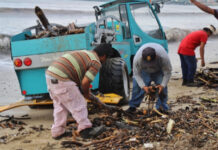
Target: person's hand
[(160, 88), (146, 89), (202, 63), (152, 89)]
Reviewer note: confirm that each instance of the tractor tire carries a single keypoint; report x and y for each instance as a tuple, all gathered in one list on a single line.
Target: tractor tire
[(114, 78)]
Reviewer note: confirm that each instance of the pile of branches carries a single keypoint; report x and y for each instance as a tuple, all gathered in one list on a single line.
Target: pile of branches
[(207, 77), (13, 122), (45, 29), (131, 133)]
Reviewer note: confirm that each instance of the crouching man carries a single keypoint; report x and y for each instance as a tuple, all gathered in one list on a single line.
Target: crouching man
[(67, 78), (151, 63)]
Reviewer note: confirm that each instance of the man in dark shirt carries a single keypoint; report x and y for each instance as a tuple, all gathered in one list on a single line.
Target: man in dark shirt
[(206, 8)]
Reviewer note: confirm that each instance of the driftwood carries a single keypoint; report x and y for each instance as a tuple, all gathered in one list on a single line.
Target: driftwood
[(12, 122), (208, 77), (67, 144), (208, 99), (130, 121), (52, 30), (72, 29), (12, 117), (170, 126), (100, 141), (42, 17), (156, 121), (206, 82), (206, 125), (159, 113), (3, 126)]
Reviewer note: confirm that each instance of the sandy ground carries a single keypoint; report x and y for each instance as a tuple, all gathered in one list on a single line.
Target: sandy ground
[(36, 133)]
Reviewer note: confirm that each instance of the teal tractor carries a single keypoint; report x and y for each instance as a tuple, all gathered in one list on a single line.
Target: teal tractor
[(126, 24)]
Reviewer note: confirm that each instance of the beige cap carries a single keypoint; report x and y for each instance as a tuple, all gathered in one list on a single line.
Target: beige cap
[(211, 28)]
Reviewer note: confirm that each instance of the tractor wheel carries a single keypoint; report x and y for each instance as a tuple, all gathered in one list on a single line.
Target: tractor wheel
[(114, 78)]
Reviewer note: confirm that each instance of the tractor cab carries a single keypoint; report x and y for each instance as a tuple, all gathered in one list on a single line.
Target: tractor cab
[(136, 19)]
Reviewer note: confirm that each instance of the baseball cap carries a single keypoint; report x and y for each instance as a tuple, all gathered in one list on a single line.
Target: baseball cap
[(148, 54), (211, 28)]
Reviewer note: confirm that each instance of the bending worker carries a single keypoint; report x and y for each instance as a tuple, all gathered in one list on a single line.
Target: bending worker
[(151, 63), (66, 78), (186, 52)]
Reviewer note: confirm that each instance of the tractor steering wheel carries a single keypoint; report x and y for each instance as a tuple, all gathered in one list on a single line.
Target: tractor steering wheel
[(103, 22)]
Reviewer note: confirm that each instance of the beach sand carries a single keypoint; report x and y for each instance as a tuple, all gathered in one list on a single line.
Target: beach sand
[(31, 138)]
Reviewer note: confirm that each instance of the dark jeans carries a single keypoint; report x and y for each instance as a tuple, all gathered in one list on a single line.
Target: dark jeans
[(138, 93), (189, 66)]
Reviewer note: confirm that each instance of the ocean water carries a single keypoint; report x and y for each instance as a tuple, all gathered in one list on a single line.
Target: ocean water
[(16, 15), (50, 4)]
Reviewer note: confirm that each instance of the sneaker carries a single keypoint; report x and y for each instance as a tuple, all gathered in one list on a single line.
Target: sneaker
[(92, 132), (65, 134), (131, 110)]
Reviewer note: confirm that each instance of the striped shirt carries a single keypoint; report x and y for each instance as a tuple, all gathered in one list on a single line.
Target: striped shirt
[(74, 66)]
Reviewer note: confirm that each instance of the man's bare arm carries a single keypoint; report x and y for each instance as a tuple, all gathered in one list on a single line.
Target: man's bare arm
[(202, 54), (85, 87), (87, 94), (203, 7)]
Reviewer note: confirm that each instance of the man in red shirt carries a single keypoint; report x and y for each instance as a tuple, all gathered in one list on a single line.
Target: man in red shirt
[(187, 54)]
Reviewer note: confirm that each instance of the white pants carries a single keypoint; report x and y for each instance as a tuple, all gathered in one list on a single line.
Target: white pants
[(67, 98)]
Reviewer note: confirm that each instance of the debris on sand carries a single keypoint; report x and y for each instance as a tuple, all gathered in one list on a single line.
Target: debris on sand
[(13, 122), (185, 99), (198, 123), (207, 77), (192, 127)]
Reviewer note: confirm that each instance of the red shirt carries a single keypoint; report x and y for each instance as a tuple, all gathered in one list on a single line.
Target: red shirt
[(191, 41)]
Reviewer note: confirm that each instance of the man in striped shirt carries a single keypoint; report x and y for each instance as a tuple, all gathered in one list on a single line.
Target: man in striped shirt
[(67, 78)]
